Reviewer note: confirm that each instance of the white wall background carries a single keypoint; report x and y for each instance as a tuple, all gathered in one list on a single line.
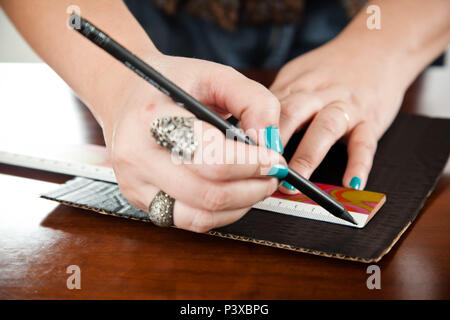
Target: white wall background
[(12, 47)]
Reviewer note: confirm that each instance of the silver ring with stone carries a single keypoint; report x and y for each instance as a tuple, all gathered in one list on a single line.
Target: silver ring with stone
[(176, 134), (161, 210)]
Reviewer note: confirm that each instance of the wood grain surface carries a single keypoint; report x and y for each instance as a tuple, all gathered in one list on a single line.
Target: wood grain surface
[(122, 259)]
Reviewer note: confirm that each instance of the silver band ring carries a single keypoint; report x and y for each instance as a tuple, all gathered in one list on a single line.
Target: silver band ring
[(176, 134), (161, 210)]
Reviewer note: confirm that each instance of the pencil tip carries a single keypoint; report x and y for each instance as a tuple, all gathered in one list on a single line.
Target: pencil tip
[(347, 217)]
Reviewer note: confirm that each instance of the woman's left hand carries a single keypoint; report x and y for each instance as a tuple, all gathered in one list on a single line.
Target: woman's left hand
[(342, 92)]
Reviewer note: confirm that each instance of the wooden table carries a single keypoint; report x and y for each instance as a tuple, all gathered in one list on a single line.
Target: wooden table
[(126, 259)]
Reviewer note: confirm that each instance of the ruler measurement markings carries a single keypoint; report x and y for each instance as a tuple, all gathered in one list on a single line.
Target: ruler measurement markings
[(297, 209)]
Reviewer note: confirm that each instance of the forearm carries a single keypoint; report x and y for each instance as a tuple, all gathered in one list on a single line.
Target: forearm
[(413, 33), (94, 75)]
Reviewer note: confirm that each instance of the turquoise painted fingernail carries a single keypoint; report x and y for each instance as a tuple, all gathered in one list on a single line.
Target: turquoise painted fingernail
[(355, 183), (279, 170), (273, 139), (288, 185)]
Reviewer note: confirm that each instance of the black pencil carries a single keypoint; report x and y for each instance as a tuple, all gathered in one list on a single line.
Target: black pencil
[(202, 112)]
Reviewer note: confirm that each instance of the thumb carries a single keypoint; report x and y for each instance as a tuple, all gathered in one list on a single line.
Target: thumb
[(247, 100)]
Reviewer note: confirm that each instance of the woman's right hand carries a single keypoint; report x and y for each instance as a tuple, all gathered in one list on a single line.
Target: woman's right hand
[(208, 195)]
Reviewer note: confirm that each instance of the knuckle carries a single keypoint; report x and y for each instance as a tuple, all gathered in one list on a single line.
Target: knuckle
[(215, 198), (343, 93), (313, 101), (272, 102), (202, 221), (265, 98), (368, 145), (301, 106), (230, 69), (328, 125), (304, 161), (290, 110), (287, 90)]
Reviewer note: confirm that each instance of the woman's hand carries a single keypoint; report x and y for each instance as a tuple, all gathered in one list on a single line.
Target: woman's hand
[(208, 194), (341, 93)]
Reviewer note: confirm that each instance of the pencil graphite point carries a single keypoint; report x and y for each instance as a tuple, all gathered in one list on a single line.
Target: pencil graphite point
[(347, 217)]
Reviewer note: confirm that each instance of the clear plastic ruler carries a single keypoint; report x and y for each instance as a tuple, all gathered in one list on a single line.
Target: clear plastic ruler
[(308, 211), (86, 161), (92, 162)]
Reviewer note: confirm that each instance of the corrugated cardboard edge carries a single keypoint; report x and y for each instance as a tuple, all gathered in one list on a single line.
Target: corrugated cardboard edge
[(310, 251), (256, 241)]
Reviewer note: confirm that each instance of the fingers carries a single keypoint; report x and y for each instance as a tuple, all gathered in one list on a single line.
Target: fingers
[(328, 126), (185, 216), (198, 220), (143, 167), (296, 110), (140, 194), (220, 159), (361, 148), (250, 102), (185, 185), (148, 163), (299, 107)]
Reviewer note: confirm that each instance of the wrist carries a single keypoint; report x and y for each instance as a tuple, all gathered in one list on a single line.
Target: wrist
[(400, 48), (113, 87), (383, 62)]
